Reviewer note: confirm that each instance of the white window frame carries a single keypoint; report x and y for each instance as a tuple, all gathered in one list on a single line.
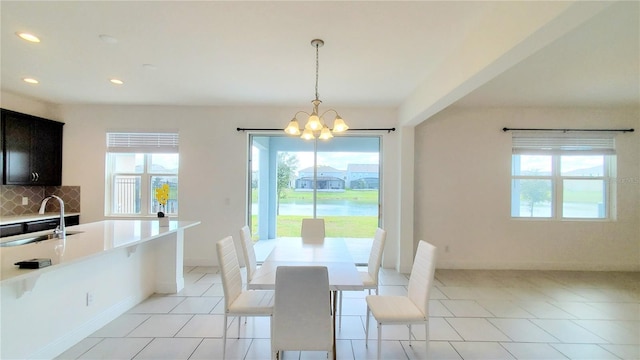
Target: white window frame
[(147, 144), (567, 144)]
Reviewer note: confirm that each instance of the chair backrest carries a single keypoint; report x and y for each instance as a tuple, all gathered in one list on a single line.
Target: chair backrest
[(230, 270), (375, 257), (422, 274), (302, 309), (312, 230), (248, 251)]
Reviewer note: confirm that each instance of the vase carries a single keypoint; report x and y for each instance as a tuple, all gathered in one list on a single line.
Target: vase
[(164, 221)]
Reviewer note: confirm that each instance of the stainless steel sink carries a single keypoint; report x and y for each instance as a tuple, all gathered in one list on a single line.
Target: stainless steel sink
[(33, 239)]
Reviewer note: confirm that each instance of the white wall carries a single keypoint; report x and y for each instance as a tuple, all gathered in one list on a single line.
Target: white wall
[(213, 161), (462, 194), (462, 184), (29, 106)]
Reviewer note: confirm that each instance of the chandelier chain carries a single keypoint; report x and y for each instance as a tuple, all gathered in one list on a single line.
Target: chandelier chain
[(317, 65)]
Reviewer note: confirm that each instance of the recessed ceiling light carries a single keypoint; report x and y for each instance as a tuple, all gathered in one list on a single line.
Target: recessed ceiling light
[(30, 80), (28, 37), (116, 81), (108, 38)]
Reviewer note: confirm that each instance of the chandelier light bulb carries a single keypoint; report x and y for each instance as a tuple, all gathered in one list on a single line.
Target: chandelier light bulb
[(314, 122), (293, 128), (325, 134), (339, 125), (307, 134)]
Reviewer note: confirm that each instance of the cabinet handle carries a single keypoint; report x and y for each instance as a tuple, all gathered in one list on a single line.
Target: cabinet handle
[(33, 176), (37, 177)]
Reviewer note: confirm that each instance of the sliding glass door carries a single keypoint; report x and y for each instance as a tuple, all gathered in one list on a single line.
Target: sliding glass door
[(291, 179)]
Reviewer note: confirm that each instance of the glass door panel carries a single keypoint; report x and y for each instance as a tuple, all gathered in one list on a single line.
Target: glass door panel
[(348, 179), (292, 179)]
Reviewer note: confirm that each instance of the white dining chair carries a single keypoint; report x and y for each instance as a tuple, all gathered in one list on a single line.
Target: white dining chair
[(411, 309), (312, 230), (236, 301), (302, 318), (370, 277), (248, 252)]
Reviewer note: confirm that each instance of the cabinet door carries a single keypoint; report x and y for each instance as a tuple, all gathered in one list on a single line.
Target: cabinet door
[(17, 142), (32, 150), (46, 152)]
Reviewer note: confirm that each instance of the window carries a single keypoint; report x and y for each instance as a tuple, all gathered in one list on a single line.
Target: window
[(291, 179), (562, 176), (136, 165)]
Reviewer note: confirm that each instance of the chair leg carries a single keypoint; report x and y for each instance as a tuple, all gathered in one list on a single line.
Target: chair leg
[(340, 310), (366, 330), (426, 328), (239, 319), (224, 337), (379, 340), (409, 334)]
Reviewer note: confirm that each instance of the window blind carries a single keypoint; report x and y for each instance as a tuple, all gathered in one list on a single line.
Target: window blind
[(574, 143), (142, 142)]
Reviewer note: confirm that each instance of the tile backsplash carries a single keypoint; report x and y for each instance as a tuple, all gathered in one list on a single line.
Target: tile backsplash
[(11, 199)]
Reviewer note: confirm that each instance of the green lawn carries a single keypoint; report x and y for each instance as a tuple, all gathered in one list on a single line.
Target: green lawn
[(336, 226)]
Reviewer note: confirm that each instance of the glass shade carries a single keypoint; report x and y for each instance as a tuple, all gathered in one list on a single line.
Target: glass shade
[(293, 128), (307, 134), (339, 125), (314, 122), (325, 134)]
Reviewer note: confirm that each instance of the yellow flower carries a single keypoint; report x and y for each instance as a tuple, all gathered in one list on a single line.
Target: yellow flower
[(162, 194)]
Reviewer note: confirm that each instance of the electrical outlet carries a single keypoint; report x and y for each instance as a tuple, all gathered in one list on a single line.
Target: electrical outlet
[(90, 298), (25, 200)]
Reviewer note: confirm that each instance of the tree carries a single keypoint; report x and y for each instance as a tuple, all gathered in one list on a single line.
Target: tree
[(287, 165), (535, 191)]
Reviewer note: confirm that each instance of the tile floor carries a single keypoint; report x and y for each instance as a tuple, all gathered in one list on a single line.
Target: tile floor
[(474, 315)]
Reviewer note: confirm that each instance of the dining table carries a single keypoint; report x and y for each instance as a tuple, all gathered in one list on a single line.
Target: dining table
[(330, 252)]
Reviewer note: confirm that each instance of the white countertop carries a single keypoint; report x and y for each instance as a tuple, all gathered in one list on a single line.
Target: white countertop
[(94, 239), (14, 219)]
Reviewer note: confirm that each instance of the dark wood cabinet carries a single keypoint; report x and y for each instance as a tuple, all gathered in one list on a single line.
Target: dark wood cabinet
[(31, 150)]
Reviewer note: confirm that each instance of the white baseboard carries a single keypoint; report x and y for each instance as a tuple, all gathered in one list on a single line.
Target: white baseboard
[(470, 265), (65, 342)]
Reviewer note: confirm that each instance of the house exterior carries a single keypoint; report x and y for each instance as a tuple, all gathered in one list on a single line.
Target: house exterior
[(329, 179), (363, 176), (356, 177)]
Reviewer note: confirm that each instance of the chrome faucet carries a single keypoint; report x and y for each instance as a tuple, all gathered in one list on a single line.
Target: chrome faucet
[(59, 231)]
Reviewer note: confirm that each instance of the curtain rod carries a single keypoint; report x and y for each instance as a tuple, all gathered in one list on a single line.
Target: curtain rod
[(388, 130), (566, 130)]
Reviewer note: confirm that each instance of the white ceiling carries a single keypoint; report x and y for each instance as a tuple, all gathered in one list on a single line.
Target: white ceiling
[(376, 53)]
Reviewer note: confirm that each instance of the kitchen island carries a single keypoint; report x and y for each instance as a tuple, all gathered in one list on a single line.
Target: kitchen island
[(101, 271)]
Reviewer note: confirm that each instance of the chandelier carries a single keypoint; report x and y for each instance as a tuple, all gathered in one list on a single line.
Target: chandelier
[(315, 122)]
